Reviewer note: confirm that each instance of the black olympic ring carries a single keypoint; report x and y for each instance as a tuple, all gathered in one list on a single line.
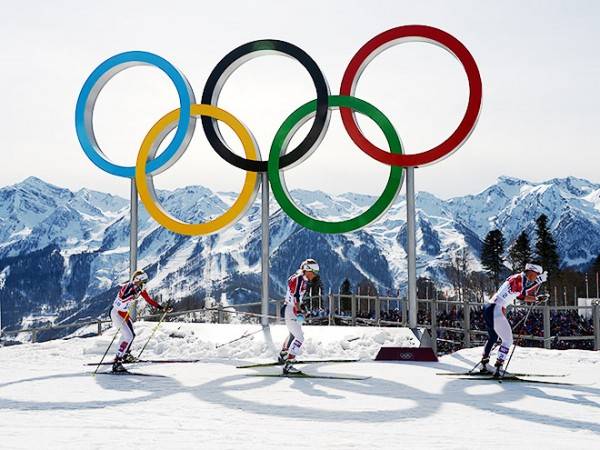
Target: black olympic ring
[(231, 62)]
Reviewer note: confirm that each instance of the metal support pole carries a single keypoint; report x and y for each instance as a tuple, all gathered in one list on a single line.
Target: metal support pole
[(353, 309), (133, 239), (404, 313), (99, 327), (377, 310), (265, 249), (277, 310), (434, 326), (467, 323), (220, 315), (547, 330), (412, 247), (331, 307), (596, 324), (587, 287)]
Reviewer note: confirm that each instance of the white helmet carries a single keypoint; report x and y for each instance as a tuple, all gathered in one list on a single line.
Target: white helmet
[(140, 276), (534, 268), (310, 265)]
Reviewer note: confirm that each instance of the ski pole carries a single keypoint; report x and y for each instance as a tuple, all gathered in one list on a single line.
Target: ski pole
[(519, 322), (111, 343), (239, 339), (153, 331), (518, 340)]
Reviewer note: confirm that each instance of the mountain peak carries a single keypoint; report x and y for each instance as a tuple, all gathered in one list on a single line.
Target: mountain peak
[(505, 179), (36, 184), (576, 186), (33, 181)]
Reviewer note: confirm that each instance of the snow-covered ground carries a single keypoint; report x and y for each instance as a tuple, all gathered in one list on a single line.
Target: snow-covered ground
[(49, 399)]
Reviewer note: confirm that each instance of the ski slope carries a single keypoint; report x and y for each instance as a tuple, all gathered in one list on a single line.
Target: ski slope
[(49, 399)]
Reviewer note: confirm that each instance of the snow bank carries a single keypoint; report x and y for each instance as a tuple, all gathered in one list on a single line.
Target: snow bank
[(209, 341)]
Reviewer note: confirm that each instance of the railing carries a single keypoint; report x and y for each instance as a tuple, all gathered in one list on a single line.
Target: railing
[(353, 309), (220, 312), (348, 309)]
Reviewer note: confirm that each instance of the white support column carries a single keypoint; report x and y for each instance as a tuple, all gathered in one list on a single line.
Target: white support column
[(265, 249), (412, 247), (133, 238)]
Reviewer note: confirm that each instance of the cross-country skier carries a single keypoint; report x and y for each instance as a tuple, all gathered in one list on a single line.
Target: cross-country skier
[(120, 315), (522, 286), (294, 313)]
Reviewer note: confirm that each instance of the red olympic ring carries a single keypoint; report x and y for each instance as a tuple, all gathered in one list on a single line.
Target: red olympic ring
[(411, 33)]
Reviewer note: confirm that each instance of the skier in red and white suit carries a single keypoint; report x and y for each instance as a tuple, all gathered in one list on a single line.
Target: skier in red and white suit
[(522, 286), (294, 313), (121, 315)]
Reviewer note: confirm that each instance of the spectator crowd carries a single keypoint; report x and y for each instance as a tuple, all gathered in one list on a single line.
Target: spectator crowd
[(563, 323)]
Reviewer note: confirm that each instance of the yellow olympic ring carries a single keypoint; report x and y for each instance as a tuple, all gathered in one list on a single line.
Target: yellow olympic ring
[(145, 183)]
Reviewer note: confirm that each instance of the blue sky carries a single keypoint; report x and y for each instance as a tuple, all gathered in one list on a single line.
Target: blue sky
[(538, 60)]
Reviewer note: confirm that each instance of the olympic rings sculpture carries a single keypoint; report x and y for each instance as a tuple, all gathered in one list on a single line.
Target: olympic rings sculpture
[(148, 163)]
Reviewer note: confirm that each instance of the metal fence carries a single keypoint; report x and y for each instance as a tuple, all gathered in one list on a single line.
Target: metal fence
[(353, 309), (216, 314)]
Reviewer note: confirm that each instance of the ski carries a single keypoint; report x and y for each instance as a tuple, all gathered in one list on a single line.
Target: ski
[(512, 379), (475, 374), (306, 375), (149, 361), (128, 373), (306, 361)]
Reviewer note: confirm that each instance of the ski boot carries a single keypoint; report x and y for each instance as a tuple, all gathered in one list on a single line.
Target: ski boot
[(129, 358), (499, 373), (484, 370), (283, 356), (117, 366), (289, 369)]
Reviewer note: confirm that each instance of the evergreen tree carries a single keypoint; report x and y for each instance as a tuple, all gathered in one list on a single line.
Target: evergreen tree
[(520, 252), (425, 288), (315, 287), (596, 265), (594, 277), (346, 288), (367, 287), (545, 246), (491, 255)]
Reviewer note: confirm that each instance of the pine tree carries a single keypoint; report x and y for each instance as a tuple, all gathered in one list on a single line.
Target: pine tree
[(520, 252), (596, 265), (346, 288), (594, 276), (425, 288), (545, 246), (491, 255)]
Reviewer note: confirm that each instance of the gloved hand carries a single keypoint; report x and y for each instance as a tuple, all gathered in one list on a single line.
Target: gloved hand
[(300, 318), (542, 277), (542, 297)]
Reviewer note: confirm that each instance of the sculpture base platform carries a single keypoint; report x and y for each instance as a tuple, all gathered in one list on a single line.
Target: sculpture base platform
[(406, 354)]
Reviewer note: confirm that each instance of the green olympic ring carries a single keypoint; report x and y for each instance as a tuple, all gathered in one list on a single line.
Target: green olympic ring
[(280, 144)]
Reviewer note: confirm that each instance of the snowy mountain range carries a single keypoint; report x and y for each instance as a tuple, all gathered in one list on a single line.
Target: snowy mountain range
[(62, 253)]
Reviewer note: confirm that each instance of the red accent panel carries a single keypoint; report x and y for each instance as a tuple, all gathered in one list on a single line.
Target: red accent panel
[(516, 283), (292, 283), (149, 299)]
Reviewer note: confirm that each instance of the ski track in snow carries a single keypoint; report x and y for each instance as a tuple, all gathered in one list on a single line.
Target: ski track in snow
[(48, 399)]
